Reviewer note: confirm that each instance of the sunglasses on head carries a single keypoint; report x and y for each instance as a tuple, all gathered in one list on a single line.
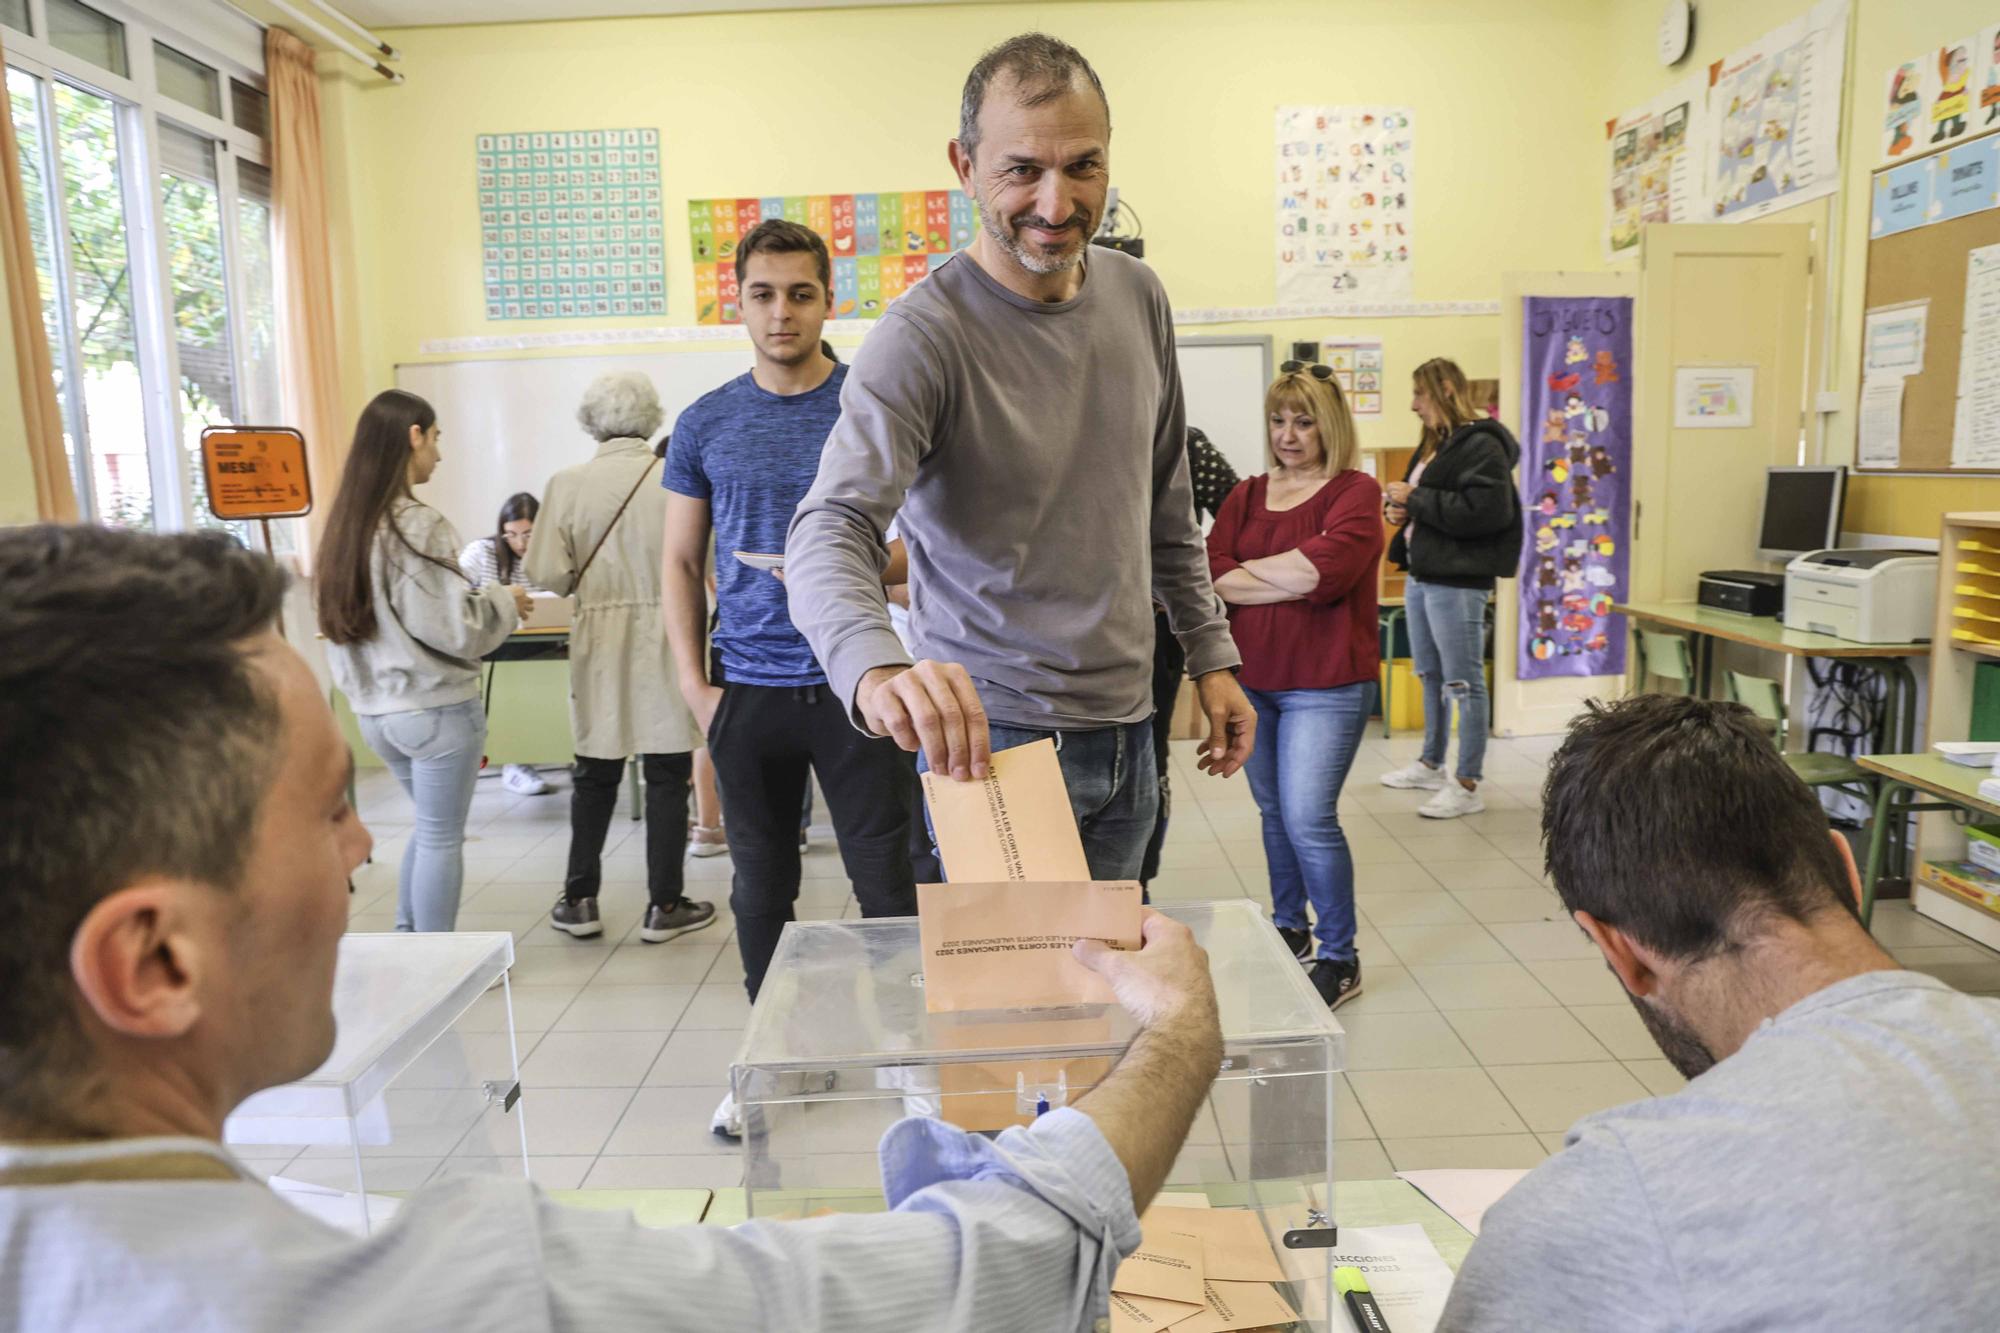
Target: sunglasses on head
[(1313, 368)]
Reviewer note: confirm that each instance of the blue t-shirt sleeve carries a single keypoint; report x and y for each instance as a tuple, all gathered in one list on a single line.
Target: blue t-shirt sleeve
[(684, 473)]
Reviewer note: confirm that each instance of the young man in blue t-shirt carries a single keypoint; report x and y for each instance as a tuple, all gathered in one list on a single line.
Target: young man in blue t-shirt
[(741, 459)]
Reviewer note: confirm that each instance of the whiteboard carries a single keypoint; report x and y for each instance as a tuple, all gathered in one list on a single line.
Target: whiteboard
[(1223, 380), (509, 424)]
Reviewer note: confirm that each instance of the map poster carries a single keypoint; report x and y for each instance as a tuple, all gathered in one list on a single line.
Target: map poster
[(881, 244), (1576, 479), (1655, 176), (1774, 117), (1346, 195)]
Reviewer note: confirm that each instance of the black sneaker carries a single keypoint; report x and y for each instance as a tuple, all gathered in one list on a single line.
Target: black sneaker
[(1300, 942), (576, 916), (1336, 982), (664, 923)]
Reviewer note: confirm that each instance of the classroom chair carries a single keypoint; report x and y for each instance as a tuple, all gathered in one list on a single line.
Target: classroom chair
[(1666, 656)]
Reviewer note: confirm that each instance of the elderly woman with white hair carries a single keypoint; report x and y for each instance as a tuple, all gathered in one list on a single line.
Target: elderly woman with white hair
[(599, 537)]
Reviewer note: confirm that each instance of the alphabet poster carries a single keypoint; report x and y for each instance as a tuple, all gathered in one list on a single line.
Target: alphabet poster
[(1346, 182), (1942, 95), (881, 244), (1576, 478), (1774, 113)]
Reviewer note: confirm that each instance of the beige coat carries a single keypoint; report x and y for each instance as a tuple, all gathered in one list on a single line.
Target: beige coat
[(624, 694)]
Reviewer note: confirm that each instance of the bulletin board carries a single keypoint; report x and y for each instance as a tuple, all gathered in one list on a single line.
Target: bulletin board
[(1929, 263)]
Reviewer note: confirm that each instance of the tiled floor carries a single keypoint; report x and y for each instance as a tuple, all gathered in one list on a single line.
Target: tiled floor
[(1486, 1027)]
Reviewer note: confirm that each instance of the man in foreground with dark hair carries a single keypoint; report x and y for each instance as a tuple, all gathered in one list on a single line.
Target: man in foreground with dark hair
[(1831, 1163), (175, 843)]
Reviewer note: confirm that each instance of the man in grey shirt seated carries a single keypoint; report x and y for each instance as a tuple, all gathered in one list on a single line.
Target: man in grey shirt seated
[(1021, 407), (175, 846), (1831, 1163)]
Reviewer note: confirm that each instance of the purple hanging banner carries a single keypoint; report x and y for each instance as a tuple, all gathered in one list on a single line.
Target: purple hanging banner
[(1576, 480)]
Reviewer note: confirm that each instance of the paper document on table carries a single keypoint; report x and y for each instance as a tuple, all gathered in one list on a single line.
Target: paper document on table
[(1465, 1194), (1008, 946), (1016, 824), (1410, 1279), (1879, 441)]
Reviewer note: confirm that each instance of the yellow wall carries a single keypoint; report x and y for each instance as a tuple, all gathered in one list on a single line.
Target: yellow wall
[(1882, 33), (866, 100)]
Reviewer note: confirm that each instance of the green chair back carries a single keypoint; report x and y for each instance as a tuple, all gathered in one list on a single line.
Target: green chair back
[(1667, 657), (1760, 694)]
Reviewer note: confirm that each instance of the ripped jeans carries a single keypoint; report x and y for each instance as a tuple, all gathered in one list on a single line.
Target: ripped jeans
[(1448, 649)]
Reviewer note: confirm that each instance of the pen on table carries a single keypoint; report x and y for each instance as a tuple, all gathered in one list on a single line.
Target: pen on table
[(1361, 1306)]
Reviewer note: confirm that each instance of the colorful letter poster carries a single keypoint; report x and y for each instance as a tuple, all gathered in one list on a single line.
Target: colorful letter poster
[(570, 224), (881, 244), (1576, 478), (1654, 170), (1345, 203), (1775, 111), (1942, 95)]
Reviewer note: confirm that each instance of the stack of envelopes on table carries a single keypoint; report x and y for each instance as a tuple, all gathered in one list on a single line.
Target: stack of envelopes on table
[(1199, 1270)]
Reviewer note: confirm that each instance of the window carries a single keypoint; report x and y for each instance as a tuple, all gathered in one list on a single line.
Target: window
[(186, 79), (87, 34), (14, 14), (150, 220)]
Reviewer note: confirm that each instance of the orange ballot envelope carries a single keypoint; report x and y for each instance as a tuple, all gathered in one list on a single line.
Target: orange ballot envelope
[(1166, 1267), (1016, 824), (1007, 946)]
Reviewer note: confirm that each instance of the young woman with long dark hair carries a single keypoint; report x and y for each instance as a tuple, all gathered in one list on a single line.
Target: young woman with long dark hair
[(503, 558), (405, 630)]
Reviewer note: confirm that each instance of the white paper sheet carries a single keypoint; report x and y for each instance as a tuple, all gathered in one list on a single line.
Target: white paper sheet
[(1410, 1279), (1975, 436), (1892, 340), (1465, 1194), (1879, 441)]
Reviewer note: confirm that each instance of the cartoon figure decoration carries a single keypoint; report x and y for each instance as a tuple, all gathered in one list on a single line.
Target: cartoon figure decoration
[(1576, 389), (1903, 109), (1948, 111), (1989, 96)]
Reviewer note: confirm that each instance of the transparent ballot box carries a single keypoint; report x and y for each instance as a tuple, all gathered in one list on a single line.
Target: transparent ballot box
[(423, 1078), (839, 1047)]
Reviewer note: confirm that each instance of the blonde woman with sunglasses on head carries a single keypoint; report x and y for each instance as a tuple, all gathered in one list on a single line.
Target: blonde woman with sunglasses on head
[(1294, 553)]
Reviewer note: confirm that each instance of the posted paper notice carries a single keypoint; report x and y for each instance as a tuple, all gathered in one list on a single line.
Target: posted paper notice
[(1879, 439), (1975, 437), (1892, 340)]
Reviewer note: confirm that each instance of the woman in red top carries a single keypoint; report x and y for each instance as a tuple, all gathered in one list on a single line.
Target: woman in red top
[(1294, 554)]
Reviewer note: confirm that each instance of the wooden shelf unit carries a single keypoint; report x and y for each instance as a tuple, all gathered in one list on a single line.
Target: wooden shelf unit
[(1954, 663)]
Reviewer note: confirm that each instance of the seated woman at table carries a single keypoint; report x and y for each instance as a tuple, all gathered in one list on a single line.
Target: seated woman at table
[(600, 536), (501, 558), (405, 630), (1294, 554)]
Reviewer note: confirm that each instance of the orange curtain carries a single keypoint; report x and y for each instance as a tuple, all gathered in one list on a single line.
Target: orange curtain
[(309, 369), (55, 497)]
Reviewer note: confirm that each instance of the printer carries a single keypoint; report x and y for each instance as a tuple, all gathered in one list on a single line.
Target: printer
[(1862, 594)]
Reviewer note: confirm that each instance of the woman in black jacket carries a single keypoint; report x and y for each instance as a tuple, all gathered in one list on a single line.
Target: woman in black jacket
[(1461, 517)]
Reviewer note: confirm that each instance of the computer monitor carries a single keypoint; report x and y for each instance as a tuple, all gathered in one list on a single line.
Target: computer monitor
[(1801, 510)]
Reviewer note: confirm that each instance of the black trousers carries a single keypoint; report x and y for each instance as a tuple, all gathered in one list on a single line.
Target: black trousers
[(594, 797), (1169, 670), (766, 741)]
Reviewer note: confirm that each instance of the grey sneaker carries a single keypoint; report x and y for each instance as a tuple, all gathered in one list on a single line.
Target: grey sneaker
[(577, 917), (665, 923)]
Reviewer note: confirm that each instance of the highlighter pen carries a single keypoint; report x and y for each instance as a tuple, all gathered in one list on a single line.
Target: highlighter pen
[(1361, 1306)]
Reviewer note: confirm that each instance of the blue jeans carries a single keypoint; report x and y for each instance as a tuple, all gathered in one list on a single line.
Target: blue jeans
[(1114, 790), (435, 754), (1448, 649), (1306, 741)]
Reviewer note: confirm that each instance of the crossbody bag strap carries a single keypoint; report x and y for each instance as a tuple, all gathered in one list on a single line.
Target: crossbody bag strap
[(139, 1166), (587, 560)]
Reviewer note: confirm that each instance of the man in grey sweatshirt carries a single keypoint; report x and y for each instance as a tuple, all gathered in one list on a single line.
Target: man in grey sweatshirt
[(1019, 415)]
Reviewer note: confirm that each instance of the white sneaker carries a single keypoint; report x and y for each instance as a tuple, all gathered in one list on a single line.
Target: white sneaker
[(1418, 776), (727, 1120), (1451, 802), (523, 781)]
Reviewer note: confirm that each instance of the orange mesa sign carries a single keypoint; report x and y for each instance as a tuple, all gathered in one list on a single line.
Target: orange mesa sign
[(256, 472)]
